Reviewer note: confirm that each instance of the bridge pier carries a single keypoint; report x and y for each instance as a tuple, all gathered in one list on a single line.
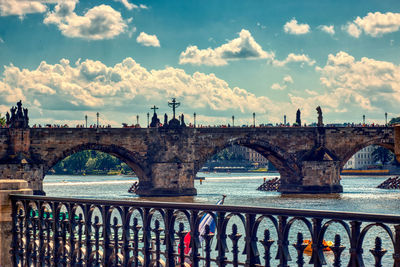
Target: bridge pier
[(32, 173), (397, 141), (318, 177), (169, 179)]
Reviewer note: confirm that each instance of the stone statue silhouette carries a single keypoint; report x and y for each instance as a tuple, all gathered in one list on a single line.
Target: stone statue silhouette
[(165, 120), (7, 118), (298, 119), (183, 121), (320, 118)]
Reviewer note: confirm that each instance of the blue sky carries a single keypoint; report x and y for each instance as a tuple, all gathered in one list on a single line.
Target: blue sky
[(66, 59)]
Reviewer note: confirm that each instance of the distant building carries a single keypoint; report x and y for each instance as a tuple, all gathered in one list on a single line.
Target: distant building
[(361, 160), (249, 155)]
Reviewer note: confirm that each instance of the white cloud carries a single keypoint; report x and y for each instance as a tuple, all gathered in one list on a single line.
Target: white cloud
[(369, 84), (91, 84), (328, 29), (99, 22), (1, 41), (243, 47), (285, 81), (352, 29), (374, 24), (302, 58), (22, 7), (127, 4), (148, 40), (288, 79), (292, 27)]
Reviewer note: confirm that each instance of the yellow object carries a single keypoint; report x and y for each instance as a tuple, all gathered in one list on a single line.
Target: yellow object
[(327, 245)]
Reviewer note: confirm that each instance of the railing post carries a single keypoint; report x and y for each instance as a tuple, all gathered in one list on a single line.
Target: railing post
[(317, 257), (283, 251), (355, 255), (7, 187), (169, 238), (396, 255), (146, 237), (221, 240), (252, 255)]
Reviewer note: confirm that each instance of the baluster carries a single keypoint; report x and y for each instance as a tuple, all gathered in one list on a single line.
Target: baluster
[(126, 239), (88, 245), (78, 243), (396, 254), (195, 241), (29, 236), (36, 237), (267, 243), (337, 249), (283, 252), (378, 252), (136, 228), (14, 244), (221, 240), (146, 237), (169, 238), (181, 234), (49, 223), (97, 250), (115, 228), (21, 232), (64, 252), (252, 255), (208, 237), (355, 255), (157, 231), (300, 247), (42, 234), (317, 257), (235, 249), (57, 238)]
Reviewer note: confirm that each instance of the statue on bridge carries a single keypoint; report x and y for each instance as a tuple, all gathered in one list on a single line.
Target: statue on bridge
[(155, 121), (298, 119), (320, 123), (19, 117), (174, 122)]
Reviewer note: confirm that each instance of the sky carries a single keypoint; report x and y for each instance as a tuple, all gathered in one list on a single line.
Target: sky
[(67, 59)]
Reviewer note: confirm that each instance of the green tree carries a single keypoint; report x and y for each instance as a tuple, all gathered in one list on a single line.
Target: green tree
[(394, 121), (2, 121), (383, 155)]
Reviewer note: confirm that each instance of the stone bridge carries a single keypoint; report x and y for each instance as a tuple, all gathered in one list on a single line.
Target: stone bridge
[(166, 160)]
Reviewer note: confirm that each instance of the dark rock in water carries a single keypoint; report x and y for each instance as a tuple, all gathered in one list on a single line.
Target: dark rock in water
[(134, 187), (390, 183), (270, 185)]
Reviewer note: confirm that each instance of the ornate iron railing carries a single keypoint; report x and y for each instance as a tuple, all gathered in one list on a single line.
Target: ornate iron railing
[(84, 232)]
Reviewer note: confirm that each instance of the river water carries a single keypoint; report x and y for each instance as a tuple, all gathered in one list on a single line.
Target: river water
[(359, 195)]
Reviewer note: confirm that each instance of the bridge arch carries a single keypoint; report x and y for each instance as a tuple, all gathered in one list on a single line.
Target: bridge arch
[(132, 159), (284, 162), (358, 146)]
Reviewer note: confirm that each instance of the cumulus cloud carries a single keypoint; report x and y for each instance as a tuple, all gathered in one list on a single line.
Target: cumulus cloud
[(22, 7), (302, 58), (91, 84), (148, 40), (369, 82), (352, 29), (292, 27), (328, 29), (374, 24), (243, 47), (127, 4), (285, 81), (99, 22)]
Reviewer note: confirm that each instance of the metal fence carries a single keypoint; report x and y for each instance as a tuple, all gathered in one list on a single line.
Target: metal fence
[(50, 231)]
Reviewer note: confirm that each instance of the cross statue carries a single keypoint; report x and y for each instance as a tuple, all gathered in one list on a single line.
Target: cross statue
[(154, 108), (173, 105)]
